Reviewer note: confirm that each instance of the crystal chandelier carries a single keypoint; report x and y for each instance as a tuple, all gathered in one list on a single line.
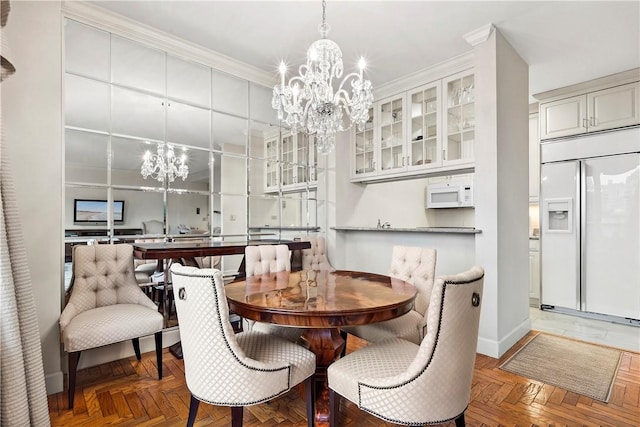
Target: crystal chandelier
[(164, 164), (309, 103)]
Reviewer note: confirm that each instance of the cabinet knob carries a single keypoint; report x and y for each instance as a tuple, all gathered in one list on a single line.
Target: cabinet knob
[(592, 121), (584, 123)]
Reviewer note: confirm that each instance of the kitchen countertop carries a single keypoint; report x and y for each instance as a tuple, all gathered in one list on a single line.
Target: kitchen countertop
[(452, 230), (285, 228)]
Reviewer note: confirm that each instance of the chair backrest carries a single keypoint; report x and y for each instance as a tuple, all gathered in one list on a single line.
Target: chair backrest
[(153, 227), (216, 367), (315, 258), (265, 259), (437, 384), (104, 275), (417, 266), (443, 366)]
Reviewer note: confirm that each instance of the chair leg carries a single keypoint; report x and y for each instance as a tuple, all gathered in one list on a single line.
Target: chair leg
[(334, 408), (74, 358), (136, 347), (193, 410), (460, 420), (344, 335), (158, 337), (310, 396), (236, 416)]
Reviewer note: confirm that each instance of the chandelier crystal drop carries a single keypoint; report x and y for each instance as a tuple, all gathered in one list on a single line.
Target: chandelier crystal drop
[(164, 165), (309, 103)]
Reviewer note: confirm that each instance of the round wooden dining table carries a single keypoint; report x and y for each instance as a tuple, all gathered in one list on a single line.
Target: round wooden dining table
[(321, 301)]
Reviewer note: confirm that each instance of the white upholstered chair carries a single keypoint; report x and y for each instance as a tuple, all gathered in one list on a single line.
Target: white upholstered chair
[(405, 383), (223, 368), (315, 258), (106, 306), (417, 266), (268, 259), (144, 268), (152, 227), (265, 259)]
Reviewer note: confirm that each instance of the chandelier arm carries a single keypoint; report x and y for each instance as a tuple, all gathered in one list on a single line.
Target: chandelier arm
[(348, 78)]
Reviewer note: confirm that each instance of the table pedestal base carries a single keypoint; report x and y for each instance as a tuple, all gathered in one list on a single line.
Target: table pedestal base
[(327, 345)]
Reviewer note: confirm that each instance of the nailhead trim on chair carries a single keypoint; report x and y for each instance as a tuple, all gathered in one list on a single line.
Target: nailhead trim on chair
[(288, 368), (360, 384)]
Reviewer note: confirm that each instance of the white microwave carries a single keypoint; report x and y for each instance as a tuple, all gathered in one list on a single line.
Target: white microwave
[(454, 194)]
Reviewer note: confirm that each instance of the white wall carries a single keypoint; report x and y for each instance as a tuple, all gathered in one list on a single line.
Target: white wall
[(371, 250), (501, 199), (400, 203), (501, 193), (32, 124)]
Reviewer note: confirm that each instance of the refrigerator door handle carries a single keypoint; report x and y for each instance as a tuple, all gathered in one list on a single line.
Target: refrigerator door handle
[(582, 240)]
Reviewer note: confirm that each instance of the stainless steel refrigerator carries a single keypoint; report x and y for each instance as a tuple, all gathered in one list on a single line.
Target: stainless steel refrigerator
[(590, 218)]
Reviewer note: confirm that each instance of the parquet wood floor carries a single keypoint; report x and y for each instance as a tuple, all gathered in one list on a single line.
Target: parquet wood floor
[(127, 393)]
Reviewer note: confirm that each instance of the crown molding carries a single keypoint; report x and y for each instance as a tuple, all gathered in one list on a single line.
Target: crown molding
[(109, 21), (617, 79), (435, 72), (479, 35)]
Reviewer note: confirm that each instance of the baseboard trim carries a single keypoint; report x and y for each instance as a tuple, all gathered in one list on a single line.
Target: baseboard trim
[(54, 383), (495, 349)]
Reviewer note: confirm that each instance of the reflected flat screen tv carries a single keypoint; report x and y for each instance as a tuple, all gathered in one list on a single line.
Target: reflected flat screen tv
[(95, 211)]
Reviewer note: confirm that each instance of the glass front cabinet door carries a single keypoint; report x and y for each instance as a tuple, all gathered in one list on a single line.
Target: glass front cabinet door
[(459, 119), (364, 161), (291, 162), (391, 134), (424, 146), (272, 169)]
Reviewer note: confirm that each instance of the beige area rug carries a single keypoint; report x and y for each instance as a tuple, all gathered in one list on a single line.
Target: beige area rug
[(575, 366)]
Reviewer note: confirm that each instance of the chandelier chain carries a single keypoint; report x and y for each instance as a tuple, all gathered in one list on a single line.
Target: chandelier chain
[(324, 12)]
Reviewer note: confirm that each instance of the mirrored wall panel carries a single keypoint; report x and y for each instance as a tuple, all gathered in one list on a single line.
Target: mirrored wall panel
[(160, 146)]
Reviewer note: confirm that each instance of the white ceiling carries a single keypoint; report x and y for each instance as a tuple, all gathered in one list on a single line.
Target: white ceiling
[(563, 42)]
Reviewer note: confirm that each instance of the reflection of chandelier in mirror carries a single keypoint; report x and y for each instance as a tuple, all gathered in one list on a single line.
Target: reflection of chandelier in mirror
[(308, 101), (164, 164)]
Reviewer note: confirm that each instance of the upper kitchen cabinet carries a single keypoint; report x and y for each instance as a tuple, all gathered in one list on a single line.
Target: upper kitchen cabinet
[(362, 149), (424, 127), (603, 104), (391, 134), (459, 119), (291, 161), (614, 107), (428, 129)]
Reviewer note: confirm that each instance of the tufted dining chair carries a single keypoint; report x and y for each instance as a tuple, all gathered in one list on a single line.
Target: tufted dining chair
[(106, 306), (315, 258), (405, 383), (417, 266), (223, 368), (265, 260)]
